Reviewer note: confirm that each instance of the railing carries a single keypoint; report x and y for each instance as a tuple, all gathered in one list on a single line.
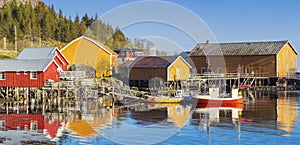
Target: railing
[(72, 75), (222, 75)]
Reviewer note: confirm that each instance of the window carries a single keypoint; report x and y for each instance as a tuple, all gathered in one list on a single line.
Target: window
[(33, 75), (18, 73), (2, 75), (25, 73)]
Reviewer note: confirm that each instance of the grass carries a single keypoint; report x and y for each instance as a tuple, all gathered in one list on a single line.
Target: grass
[(6, 54)]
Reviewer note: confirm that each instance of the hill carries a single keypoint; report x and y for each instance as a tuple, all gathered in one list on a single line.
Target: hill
[(33, 2), (34, 24)]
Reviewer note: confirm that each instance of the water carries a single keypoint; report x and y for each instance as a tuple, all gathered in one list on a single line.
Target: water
[(272, 118)]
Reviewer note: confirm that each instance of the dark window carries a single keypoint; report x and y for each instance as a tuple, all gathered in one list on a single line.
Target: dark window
[(2, 75), (33, 75)]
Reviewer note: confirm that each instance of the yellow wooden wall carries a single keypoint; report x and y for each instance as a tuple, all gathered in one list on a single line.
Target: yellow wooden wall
[(83, 51), (286, 59), (179, 64)]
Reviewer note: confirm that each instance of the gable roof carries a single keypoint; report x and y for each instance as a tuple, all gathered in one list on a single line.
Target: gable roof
[(239, 48), (153, 61), (37, 53), (24, 65), (97, 43)]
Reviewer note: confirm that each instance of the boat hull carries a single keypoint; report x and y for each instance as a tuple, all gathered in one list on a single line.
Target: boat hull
[(221, 101), (221, 105)]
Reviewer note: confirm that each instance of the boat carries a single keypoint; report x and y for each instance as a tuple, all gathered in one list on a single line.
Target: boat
[(163, 99), (178, 97), (214, 97), (214, 90)]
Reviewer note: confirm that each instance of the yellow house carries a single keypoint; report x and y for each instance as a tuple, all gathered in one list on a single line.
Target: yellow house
[(286, 60), (168, 68), (151, 71), (87, 51), (263, 58)]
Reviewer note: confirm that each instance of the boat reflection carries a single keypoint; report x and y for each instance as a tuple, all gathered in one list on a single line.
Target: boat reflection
[(206, 116)]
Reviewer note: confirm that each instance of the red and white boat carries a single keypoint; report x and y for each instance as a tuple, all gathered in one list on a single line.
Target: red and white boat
[(213, 96)]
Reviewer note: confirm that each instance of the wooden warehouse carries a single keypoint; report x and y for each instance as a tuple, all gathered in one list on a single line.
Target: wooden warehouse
[(265, 59), (87, 51), (145, 69), (32, 68)]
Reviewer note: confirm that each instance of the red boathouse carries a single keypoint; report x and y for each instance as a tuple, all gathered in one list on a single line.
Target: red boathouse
[(33, 67)]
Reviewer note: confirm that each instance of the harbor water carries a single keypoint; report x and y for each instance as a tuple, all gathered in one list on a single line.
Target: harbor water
[(270, 118)]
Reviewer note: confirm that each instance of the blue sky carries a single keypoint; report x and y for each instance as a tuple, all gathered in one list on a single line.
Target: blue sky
[(226, 20)]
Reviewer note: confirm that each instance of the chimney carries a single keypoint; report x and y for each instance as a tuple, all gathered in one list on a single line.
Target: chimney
[(207, 41)]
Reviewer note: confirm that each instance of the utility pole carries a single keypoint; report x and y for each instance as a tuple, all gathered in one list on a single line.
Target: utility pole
[(4, 42), (16, 40)]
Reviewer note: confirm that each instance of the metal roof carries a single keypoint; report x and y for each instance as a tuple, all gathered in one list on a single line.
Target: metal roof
[(239, 48), (153, 61), (24, 65), (37, 53)]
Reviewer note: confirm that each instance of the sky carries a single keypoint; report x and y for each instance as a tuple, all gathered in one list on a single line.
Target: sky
[(178, 25)]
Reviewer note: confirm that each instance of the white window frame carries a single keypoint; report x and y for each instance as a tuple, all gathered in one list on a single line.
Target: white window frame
[(32, 75), (25, 72), (17, 72), (2, 75)]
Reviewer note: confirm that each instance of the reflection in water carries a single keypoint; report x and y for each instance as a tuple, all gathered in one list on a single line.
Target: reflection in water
[(173, 113), (270, 116), (287, 112)]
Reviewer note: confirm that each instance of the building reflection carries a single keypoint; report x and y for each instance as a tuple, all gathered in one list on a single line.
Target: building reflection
[(173, 113), (83, 118), (287, 111)]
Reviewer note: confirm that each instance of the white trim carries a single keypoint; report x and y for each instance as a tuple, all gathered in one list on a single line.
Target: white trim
[(176, 60), (182, 60), (50, 64), (35, 75), (61, 55), (287, 42), (4, 74), (179, 57), (18, 73), (60, 59), (89, 39)]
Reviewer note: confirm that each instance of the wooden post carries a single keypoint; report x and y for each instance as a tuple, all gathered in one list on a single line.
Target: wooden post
[(27, 100), (17, 96), (43, 97)]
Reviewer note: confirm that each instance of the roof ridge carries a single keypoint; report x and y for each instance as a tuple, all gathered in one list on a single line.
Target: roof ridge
[(245, 42)]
